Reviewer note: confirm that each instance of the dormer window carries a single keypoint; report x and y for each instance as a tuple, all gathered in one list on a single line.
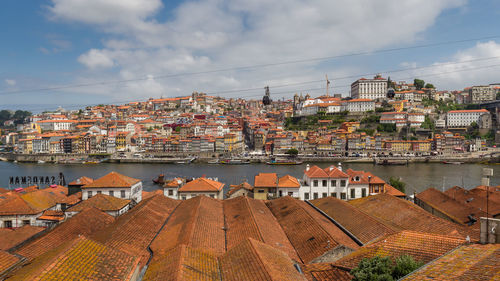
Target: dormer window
[(356, 178)]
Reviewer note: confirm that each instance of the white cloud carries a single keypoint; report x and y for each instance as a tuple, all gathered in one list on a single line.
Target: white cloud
[(10, 82), (213, 34)]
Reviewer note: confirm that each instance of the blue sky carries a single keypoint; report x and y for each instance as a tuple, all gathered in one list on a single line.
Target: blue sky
[(53, 43)]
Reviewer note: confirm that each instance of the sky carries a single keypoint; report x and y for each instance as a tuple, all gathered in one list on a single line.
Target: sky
[(73, 53)]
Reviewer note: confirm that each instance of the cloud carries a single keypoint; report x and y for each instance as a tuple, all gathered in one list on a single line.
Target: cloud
[(10, 82), (471, 69), (200, 36)]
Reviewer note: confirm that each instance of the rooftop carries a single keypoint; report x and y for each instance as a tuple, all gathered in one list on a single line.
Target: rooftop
[(266, 180), (112, 179), (102, 202), (202, 185)]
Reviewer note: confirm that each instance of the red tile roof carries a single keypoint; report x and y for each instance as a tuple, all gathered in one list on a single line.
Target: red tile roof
[(469, 262), (422, 247), (12, 237), (102, 202), (84, 223), (112, 179), (326, 272), (82, 181), (288, 181), (310, 233), (202, 185), (476, 198), (7, 262), (266, 180)]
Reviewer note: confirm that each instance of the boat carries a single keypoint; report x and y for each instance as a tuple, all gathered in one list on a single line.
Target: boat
[(185, 161), (234, 161), (160, 179), (283, 162), (453, 162), (91, 162), (391, 162), (215, 161), (40, 162)]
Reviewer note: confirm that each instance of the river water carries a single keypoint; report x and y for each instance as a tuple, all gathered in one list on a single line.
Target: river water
[(417, 177)]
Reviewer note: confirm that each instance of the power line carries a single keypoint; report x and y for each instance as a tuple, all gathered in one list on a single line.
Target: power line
[(250, 66)]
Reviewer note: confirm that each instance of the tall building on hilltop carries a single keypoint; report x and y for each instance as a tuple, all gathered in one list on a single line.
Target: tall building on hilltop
[(375, 88)]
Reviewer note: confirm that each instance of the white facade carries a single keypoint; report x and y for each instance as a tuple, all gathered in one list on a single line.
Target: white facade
[(358, 105), (314, 188), (463, 118), (132, 193), (369, 88)]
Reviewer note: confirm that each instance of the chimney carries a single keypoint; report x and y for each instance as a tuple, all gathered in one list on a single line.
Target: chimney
[(331, 168), (490, 231), (307, 167), (340, 166)]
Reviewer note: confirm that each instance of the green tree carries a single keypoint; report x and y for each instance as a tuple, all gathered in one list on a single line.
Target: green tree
[(386, 128), (429, 86), (498, 95), (292, 152), (374, 269), (5, 115), (398, 184), (428, 124), (418, 83), (405, 264)]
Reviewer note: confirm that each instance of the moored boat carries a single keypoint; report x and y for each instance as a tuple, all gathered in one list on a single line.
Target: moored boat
[(283, 162)]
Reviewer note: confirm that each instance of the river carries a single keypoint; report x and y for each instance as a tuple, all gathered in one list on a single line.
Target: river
[(417, 177)]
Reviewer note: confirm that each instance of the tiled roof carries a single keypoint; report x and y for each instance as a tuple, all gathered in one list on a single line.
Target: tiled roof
[(469, 262), (197, 222), (422, 247), (243, 185), (288, 181), (400, 214), (326, 272), (79, 259), (254, 260), (250, 218), (389, 189), (202, 184), (7, 262), (334, 172), (266, 180), (476, 198), (361, 225), (455, 210), (310, 233), (33, 202), (102, 202), (133, 231), (82, 181), (316, 172), (84, 223), (183, 263), (12, 237), (112, 179)]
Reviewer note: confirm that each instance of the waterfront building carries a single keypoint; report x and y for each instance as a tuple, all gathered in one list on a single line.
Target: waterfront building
[(179, 189), (288, 186), (242, 189), (114, 184), (265, 185), (464, 118), (320, 183), (375, 88)]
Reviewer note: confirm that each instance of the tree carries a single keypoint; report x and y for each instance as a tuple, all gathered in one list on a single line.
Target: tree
[(292, 152), (428, 124), (5, 115), (398, 184), (405, 264), (376, 268), (429, 86), (418, 83), (498, 95)]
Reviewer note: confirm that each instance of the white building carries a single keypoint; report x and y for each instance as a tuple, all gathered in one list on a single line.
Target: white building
[(463, 118), (479, 94), (288, 186), (200, 186), (375, 88), (358, 105), (114, 184), (320, 183)]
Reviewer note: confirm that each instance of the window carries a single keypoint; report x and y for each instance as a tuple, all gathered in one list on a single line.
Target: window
[(7, 224), (111, 193), (99, 192), (334, 182), (342, 196), (261, 191), (280, 193), (325, 182), (26, 222), (170, 192), (353, 193), (342, 183), (315, 195), (290, 193), (183, 197), (363, 192), (306, 196), (211, 196), (376, 188), (89, 194), (315, 183), (122, 194), (325, 194), (334, 194)]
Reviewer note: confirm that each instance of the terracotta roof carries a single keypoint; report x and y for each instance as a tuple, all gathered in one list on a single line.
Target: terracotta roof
[(334, 172), (82, 181), (316, 172), (7, 262), (476, 198), (12, 237), (361, 225), (254, 260), (84, 223), (400, 214), (197, 222), (33, 202), (102, 202), (202, 185), (288, 181), (326, 272), (469, 262), (79, 259), (133, 231), (148, 194), (422, 247), (389, 189), (364, 177), (243, 185), (112, 179), (455, 210), (266, 180), (183, 263), (310, 233), (250, 218)]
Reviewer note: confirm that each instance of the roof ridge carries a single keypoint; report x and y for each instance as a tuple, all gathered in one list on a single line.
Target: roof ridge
[(194, 218), (313, 219), (182, 249), (253, 218), (252, 242)]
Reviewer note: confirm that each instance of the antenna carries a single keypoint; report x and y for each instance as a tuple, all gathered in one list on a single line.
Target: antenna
[(327, 84)]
